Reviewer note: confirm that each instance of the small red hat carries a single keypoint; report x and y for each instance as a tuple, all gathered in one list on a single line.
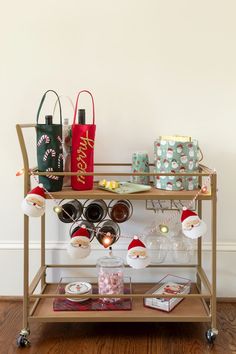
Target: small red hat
[(38, 190), (186, 213), (136, 243), (82, 231)]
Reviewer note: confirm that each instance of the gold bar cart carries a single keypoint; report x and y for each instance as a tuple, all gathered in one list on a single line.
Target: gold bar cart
[(199, 305)]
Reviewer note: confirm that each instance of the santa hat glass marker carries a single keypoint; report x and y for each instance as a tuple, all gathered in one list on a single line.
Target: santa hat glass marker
[(137, 256), (192, 226), (34, 202), (79, 245)]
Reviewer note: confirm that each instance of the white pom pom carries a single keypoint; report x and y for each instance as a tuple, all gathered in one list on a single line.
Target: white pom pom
[(135, 237), (41, 185), (184, 208), (83, 226)]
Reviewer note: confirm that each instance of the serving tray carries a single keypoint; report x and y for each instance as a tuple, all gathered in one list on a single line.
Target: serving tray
[(127, 187)]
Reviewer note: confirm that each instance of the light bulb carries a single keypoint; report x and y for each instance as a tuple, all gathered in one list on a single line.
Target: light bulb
[(57, 209), (164, 228), (204, 189), (20, 172), (107, 239)]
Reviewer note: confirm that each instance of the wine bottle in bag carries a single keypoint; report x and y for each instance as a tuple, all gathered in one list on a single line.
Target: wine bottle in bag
[(82, 154), (66, 139), (49, 148)]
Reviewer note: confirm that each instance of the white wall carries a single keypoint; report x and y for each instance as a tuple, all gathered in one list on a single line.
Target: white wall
[(155, 67)]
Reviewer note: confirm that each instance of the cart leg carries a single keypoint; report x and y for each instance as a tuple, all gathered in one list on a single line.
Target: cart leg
[(22, 340), (199, 247), (212, 332), (43, 280)]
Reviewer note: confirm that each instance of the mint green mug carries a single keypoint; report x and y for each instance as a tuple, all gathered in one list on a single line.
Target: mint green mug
[(140, 163)]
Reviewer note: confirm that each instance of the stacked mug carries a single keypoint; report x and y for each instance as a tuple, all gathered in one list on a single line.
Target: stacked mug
[(140, 164)]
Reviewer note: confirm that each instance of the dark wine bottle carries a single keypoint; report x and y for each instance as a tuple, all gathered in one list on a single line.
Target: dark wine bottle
[(48, 120), (95, 211), (72, 210), (81, 116)]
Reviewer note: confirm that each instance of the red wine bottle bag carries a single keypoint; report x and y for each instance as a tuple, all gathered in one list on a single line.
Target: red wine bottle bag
[(82, 154)]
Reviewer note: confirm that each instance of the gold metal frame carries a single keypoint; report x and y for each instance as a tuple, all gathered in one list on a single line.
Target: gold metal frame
[(190, 311)]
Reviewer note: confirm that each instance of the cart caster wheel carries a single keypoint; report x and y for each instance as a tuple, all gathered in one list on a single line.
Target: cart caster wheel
[(211, 335), (22, 342)]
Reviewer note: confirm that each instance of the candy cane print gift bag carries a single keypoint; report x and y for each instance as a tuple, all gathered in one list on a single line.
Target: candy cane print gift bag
[(49, 148)]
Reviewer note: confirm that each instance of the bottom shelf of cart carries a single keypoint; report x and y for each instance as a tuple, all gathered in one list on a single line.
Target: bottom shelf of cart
[(188, 310)]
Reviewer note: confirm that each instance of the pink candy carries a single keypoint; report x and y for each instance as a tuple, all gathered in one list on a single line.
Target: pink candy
[(110, 283)]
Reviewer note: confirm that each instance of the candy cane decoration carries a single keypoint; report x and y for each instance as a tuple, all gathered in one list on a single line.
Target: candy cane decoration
[(50, 169), (43, 138), (49, 152), (59, 160)]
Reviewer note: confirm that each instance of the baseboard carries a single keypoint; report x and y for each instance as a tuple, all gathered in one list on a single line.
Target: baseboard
[(226, 299), (11, 298)]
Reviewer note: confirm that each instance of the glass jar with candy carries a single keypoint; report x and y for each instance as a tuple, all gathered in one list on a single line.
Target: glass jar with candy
[(110, 277)]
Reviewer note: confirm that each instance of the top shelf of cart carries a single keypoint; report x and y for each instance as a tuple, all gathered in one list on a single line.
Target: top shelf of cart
[(96, 193), (152, 194)]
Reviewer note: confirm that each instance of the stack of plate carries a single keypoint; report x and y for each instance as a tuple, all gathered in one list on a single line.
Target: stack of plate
[(78, 288)]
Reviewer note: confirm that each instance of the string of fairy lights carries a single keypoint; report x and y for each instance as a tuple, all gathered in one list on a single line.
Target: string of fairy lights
[(108, 238)]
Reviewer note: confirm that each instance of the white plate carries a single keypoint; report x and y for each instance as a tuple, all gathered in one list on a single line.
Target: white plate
[(78, 288)]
